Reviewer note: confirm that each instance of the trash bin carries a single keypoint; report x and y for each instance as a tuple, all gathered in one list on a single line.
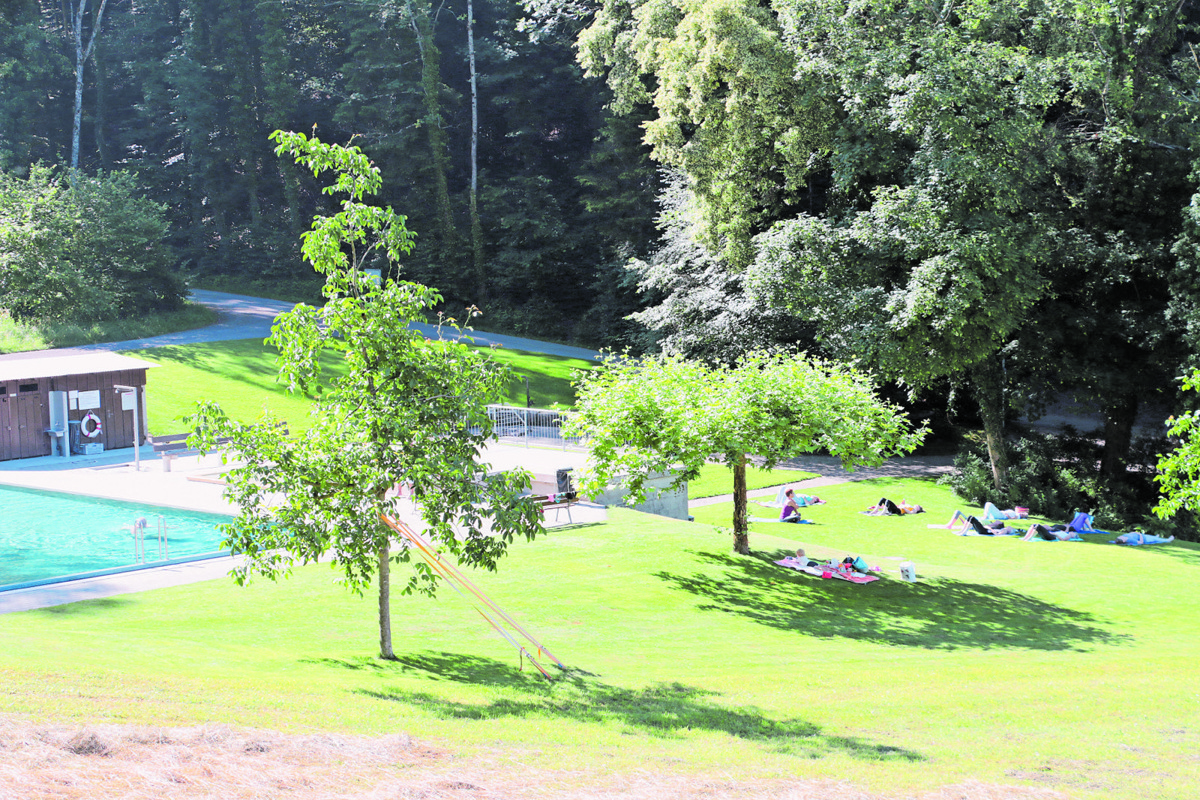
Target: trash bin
[(562, 477), (73, 436)]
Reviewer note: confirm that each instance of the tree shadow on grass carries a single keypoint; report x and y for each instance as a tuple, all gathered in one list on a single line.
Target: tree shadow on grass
[(86, 606), (1185, 552), (935, 614), (665, 710)]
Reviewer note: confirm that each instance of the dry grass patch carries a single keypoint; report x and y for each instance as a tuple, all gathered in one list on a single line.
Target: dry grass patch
[(219, 761)]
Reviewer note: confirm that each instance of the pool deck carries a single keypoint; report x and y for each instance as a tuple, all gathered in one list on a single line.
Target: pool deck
[(112, 476)]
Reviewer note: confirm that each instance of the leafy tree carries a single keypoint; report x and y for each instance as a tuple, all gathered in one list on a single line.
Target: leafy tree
[(902, 174), (1179, 470), (698, 306), (661, 414), (406, 409)]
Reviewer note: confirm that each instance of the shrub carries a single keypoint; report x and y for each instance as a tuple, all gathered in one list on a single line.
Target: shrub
[(83, 252), (1057, 475)]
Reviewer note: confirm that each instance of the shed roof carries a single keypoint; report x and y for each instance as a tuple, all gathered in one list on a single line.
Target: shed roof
[(53, 364)]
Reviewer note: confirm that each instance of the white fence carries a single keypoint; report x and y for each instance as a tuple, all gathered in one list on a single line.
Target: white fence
[(539, 426)]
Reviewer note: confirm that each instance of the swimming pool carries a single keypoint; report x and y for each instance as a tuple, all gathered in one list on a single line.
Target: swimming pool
[(46, 536)]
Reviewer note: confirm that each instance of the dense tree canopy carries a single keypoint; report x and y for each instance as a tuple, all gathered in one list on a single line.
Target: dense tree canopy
[(942, 189), (183, 95)]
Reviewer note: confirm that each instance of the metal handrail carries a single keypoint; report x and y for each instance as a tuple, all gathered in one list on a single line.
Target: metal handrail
[(531, 425)]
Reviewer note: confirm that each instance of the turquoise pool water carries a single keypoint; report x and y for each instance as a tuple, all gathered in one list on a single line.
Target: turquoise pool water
[(48, 535)]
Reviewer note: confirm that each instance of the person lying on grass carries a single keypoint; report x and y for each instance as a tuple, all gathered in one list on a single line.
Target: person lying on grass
[(1055, 533), (1137, 537), (887, 508), (990, 511), (963, 525), (857, 563)]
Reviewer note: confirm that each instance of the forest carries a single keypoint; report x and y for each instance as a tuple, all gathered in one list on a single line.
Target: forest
[(988, 205)]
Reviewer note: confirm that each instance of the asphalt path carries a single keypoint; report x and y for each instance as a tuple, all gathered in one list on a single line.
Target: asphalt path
[(244, 317)]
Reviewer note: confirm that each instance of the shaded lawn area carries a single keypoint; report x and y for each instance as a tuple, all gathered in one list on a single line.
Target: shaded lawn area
[(240, 375), (717, 479), (1063, 666)]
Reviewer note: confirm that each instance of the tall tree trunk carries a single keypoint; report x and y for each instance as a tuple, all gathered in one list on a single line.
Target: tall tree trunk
[(434, 133), (78, 117), (1119, 416), (101, 111), (82, 54), (476, 226), (741, 522), (385, 603), (282, 99), (989, 392)]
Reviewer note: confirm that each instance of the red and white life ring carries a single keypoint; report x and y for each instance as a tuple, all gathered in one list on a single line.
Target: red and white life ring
[(96, 429)]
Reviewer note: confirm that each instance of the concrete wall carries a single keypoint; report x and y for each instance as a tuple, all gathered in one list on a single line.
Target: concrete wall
[(667, 502)]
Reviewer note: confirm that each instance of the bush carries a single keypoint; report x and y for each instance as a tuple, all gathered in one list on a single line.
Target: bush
[(83, 252), (1057, 475)]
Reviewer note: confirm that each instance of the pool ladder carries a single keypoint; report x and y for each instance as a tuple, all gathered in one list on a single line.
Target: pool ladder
[(139, 540)]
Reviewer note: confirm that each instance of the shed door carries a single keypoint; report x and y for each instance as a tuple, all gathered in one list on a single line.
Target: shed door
[(23, 421)]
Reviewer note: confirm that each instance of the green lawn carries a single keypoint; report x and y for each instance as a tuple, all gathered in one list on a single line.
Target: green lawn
[(717, 479), (1064, 666), (241, 376), (16, 337)]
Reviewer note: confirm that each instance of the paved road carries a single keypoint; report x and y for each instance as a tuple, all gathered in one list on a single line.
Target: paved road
[(243, 317)]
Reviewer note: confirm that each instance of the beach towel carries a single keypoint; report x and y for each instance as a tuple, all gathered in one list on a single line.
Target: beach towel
[(805, 565), (824, 570)]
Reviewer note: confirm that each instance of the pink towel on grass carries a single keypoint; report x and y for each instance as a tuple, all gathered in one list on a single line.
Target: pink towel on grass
[(826, 570)]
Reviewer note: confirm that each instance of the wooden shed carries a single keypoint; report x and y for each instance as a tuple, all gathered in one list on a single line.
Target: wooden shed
[(83, 382)]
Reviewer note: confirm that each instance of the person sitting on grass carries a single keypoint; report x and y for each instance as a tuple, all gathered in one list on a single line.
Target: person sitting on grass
[(1137, 537), (791, 509)]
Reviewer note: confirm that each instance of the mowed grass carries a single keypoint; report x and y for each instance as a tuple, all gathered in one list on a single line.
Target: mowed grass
[(17, 337), (241, 375), (1064, 666), (717, 479)]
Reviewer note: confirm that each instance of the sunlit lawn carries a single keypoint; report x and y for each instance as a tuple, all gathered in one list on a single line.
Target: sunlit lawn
[(18, 337), (717, 479), (1065, 666), (241, 375)]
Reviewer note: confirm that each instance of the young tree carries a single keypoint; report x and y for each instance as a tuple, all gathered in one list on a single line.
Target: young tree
[(1179, 470), (650, 417), (404, 409)]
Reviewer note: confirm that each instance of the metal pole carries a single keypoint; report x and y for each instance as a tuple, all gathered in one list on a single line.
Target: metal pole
[(137, 434), (527, 403)]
